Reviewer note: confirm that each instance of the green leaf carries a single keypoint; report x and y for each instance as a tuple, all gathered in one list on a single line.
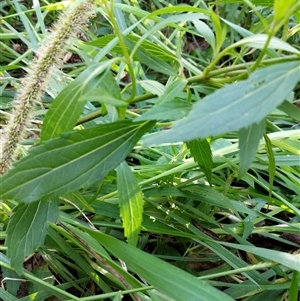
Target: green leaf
[(130, 202), (235, 106), (206, 32), (27, 229), (68, 105), (281, 7), (200, 150), (103, 95), (168, 110), (152, 86), (272, 163), (167, 107), (249, 138), (290, 109), (148, 53), (165, 277), (259, 41), (294, 289), (73, 161), (289, 260), (151, 59)]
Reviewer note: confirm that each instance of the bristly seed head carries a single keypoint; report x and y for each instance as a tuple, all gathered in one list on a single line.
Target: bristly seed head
[(34, 84)]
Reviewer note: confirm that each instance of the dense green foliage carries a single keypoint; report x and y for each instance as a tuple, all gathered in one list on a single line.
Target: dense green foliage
[(155, 148)]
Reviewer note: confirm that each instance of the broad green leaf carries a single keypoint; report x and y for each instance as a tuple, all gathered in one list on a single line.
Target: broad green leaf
[(272, 163), (73, 161), (168, 279), (7, 296), (68, 105), (200, 150), (249, 138), (235, 106), (281, 7), (130, 202), (27, 229)]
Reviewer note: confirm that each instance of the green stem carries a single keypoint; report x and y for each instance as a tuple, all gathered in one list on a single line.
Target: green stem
[(128, 59)]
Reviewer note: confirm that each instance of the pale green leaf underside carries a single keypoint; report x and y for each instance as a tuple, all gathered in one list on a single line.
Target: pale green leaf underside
[(130, 202), (73, 161), (27, 229), (235, 106), (168, 279)]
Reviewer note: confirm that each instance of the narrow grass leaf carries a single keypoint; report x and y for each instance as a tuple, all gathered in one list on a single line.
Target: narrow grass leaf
[(235, 106), (27, 229), (166, 278), (289, 260), (91, 153), (290, 109), (249, 138), (130, 202), (272, 163), (294, 289), (200, 150)]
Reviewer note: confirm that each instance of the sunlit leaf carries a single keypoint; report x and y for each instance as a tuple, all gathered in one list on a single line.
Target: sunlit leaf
[(73, 161), (130, 202), (281, 8), (235, 106), (69, 104), (165, 277)]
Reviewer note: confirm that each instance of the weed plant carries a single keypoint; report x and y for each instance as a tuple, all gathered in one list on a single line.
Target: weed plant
[(149, 150)]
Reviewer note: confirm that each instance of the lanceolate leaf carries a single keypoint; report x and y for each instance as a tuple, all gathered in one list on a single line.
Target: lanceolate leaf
[(248, 142), (202, 154), (235, 106), (130, 202), (27, 229), (73, 161), (69, 104), (170, 280)]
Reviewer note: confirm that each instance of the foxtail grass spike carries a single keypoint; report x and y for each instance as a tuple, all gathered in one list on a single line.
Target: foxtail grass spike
[(34, 84)]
